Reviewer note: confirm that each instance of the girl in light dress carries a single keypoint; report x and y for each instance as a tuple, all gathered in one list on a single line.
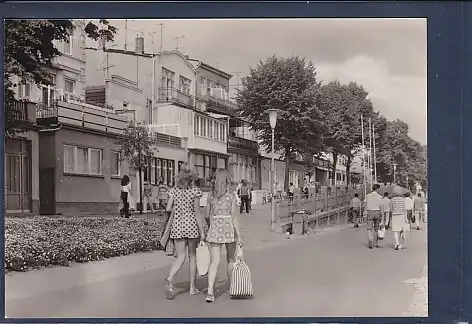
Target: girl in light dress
[(222, 218), (186, 228), (399, 217)]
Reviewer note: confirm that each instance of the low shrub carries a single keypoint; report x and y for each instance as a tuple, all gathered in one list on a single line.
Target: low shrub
[(36, 242)]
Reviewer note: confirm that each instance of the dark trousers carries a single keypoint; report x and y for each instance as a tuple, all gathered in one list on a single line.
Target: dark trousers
[(244, 202), (125, 209)]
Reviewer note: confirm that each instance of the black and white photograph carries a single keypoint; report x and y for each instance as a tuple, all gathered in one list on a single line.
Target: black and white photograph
[(216, 168)]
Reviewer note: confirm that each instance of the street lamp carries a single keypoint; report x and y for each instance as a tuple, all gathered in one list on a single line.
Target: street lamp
[(394, 170), (273, 121)]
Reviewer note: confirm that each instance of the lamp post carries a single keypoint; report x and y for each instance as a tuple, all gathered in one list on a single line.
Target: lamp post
[(394, 170), (273, 121)]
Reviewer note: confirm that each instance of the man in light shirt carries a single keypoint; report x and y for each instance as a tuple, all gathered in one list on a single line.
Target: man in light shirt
[(356, 206), (386, 210), (409, 208), (419, 208), (374, 209)]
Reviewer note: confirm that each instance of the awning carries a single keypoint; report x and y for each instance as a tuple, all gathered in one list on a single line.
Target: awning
[(218, 116), (210, 153)]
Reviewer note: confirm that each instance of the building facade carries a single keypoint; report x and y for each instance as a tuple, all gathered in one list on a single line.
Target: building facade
[(21, 158)]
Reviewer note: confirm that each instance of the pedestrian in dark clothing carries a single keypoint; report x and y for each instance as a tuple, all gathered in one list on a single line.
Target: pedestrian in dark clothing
[(244, 193), (125, 196)]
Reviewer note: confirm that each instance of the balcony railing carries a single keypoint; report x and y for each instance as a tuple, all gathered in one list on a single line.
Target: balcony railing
[(242, 143), (226, 104), (22, 111), (168, 140), (176, 96), (321, 163)]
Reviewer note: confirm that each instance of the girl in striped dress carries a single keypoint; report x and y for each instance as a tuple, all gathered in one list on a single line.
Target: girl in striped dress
[(399, 217), (222, 218)]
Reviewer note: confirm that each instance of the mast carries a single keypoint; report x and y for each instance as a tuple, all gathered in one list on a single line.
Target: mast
[(370, 153), (363, 155)]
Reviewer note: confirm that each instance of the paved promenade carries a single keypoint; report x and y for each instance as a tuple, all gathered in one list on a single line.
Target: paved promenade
[(331, 273)]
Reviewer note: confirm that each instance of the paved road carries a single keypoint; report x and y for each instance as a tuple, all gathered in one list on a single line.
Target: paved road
[(332, 274)]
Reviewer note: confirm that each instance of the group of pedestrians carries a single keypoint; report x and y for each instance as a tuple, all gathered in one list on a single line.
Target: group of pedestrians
[(397, 212), (187, 226), (128, 202)]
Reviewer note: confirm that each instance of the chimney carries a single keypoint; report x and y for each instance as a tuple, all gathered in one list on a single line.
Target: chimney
[(139, 45)]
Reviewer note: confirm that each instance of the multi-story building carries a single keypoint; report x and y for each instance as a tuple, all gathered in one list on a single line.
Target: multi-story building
[(74, 164), (213, 95), (160, 90)]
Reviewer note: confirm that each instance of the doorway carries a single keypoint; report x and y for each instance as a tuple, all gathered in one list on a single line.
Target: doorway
[(18, 175)]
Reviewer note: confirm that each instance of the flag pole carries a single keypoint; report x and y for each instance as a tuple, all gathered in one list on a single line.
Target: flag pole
[(363, 154), (375, 156), (370, 153)]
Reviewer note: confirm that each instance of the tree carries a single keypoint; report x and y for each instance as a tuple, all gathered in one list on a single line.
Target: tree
[(288, 84), (30, 51), (138, 146), (343, 105), (396, 147)]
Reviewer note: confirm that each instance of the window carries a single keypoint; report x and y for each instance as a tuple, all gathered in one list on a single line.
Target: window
[(162, 169), (185, 85), (82, 160), (115, 159), (24, 90), (68, 44), (203, 89), (153, 172), (196, 126), (167, 80), (69, 86), (209, 128), (48, 91)]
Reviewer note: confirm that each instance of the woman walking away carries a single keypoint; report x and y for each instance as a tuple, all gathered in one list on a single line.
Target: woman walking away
[(399, 217), (125, 195), (187, 227), (220, 213)]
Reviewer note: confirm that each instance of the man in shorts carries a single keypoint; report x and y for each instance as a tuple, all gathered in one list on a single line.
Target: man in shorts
[(374, 209), (356, 206)]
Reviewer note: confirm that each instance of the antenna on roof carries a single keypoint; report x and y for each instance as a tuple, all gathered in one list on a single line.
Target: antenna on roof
[(177, 38)]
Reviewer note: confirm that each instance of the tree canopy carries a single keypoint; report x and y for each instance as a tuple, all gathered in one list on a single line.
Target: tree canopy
[(290, 85), (30, 51), (317, 118)]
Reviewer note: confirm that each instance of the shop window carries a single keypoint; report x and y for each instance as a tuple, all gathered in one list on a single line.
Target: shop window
[(82, 160)]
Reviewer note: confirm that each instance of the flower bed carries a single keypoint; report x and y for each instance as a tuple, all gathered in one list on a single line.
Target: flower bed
[(49, 241)]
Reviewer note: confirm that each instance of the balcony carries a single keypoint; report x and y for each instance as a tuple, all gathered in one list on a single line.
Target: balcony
[(176, 96), (23, 112), (168, 140), (238, 143)]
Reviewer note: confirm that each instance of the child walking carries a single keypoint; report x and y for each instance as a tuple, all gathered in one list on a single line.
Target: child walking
[(222, 218)]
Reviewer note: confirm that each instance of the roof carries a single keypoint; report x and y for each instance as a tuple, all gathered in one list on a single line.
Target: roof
[(211, 68)]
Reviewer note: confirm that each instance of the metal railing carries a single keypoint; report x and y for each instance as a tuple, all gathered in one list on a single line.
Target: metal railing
[(176, 96), (242, 143), (19, 111), (46, 111)]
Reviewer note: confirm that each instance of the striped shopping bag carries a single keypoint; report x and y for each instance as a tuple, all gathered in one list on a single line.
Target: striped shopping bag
[(241, 283)]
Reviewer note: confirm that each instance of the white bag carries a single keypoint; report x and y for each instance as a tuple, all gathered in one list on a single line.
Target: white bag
[(381, 233), (203, 259), (131, 202)]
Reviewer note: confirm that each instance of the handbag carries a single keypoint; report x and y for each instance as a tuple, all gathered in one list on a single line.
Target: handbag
[(203, 259), (381, 233), (165, 241), (241, 282)]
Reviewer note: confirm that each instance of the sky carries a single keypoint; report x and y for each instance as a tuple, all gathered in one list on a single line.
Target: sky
[(386, 56)]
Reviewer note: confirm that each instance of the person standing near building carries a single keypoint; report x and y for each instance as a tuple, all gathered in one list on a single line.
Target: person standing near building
[(409, 209), (386, 210), (125, 196), (374, 208), (291, 191), (356, 206), (147, 199), (244, 196), (419, 209), (278, 190)]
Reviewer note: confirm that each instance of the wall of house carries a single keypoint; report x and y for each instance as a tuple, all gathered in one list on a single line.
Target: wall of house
[(84, 193), (177, 63), (212, 76), (122, 92), (301, 170), (169, 116)]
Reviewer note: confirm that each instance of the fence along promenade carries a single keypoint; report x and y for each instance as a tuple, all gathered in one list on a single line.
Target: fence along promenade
[(326, 208)]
